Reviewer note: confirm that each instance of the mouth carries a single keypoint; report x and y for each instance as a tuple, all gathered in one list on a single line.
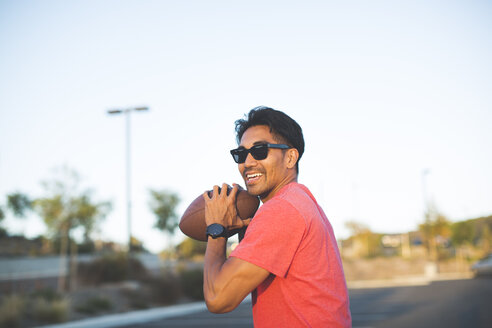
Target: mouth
[(253, 177)]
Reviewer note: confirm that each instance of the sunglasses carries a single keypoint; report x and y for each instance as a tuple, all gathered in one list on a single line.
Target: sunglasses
[(258, 152)]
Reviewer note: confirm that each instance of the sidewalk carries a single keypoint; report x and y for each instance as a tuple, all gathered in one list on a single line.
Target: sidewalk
[(134, 317), (137, 317), (420, 280)]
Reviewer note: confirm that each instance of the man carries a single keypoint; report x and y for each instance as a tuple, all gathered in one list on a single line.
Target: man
[(289, 257)]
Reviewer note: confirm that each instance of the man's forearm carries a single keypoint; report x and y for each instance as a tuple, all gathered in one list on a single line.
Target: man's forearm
[(215, 256)]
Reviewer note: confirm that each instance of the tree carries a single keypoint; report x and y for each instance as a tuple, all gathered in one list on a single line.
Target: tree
[(356, 228), (18, 204), (365, 242), (435, 230), (462, 233), (163, 204), (3, 232), (66, 208)]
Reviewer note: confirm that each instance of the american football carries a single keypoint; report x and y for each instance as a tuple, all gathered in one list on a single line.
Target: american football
[(193, 223)]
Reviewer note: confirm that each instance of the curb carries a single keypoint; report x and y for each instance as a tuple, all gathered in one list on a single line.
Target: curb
[(137, 317), (134, 317)]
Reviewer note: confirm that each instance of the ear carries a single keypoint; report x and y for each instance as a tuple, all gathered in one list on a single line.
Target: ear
[(291, 157)]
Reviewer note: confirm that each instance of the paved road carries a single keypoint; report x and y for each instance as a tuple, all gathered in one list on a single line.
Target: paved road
[(447, 304), (239, 318)]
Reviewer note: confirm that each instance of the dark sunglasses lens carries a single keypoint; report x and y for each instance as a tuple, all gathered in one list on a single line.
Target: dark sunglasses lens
[(239, 155), (259, 152)]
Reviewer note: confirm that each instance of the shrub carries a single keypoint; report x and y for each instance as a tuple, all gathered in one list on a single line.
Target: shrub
[(94, 305), (51, 311), (111, 268), (192, 283), (164, 289), (11, 311), (48, 294), (137, 299)]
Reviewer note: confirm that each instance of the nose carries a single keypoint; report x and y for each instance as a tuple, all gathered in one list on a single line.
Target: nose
[(250, 161)]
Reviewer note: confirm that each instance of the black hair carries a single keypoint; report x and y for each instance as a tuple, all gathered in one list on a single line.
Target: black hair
[(283, 128)]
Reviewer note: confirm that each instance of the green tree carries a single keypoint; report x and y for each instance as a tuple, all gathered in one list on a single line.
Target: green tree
[(462, 233), (18, 204), (2, 214), (3, 232), (435, 229), (486, 239), (65, 208), (163, 204), (366, 243)]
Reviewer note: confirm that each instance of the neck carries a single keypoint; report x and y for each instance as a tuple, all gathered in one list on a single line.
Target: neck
[(274, 191)]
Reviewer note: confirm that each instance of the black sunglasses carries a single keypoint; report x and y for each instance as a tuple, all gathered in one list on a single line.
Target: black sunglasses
[(258, 152)]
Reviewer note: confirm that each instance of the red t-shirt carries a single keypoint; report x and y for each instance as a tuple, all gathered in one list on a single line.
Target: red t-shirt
[(291, 237)]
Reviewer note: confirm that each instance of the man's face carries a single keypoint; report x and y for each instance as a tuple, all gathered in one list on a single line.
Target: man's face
[(263, 177)]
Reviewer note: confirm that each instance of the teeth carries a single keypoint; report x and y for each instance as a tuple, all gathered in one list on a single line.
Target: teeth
[(251, 176)]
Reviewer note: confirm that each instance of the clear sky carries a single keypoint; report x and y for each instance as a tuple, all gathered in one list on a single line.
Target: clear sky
[(383, 90)]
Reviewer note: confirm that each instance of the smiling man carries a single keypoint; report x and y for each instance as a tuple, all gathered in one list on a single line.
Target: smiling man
[(288, 259)]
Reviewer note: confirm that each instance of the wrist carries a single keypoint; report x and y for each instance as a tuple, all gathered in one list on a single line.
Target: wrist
[(218, 239), (217, 246), (216, 230)]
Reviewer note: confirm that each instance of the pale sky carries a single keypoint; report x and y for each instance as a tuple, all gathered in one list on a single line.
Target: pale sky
[(383, 91)]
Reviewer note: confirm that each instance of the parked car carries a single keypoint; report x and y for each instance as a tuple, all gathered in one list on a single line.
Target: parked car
[(483, 267)]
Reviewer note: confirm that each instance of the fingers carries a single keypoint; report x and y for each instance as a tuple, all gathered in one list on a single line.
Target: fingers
[(207, 195), (223, 191), (235, 189), (216, 191)]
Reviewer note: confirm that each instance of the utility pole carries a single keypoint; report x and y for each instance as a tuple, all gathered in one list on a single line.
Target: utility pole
[(432, 267), (127, 112)]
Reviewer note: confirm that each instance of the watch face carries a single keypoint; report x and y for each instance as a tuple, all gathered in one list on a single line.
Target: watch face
[(215, 230)]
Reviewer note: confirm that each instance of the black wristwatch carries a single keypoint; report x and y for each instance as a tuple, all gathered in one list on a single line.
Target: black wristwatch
[(216, 230)]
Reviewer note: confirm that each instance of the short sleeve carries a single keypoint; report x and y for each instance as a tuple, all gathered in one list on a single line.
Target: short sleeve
[(272, 237)]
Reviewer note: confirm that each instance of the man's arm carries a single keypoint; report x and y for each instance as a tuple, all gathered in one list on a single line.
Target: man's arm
[(227, 281)]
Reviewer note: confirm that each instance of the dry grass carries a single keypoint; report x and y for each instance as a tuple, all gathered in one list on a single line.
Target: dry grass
[(11, 310), (51, 311)]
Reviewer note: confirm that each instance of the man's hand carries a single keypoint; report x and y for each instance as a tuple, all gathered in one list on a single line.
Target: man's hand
[(221, 208)]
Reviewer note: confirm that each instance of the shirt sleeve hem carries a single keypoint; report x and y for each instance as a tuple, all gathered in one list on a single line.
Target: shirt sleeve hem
[(258, 263)]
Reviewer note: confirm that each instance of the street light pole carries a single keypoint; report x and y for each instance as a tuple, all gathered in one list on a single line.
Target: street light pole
[(127, 112), (432, 268)]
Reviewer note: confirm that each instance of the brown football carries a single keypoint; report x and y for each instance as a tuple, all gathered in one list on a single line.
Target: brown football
[(193, 223)]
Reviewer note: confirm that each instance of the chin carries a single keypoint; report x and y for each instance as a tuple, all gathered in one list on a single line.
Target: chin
[(257, 192), (253, 191)]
